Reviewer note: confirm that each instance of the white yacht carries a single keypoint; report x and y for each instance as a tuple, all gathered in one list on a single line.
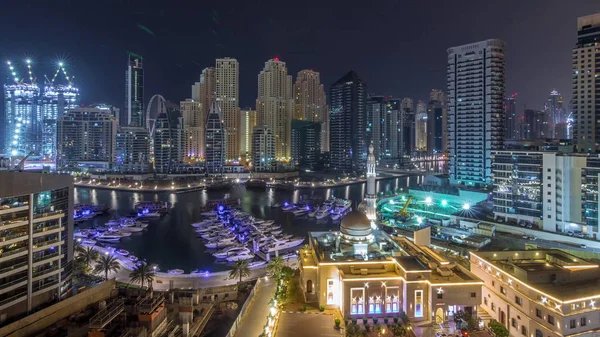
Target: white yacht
[(240, 257), (282, 244), (300, 212), (108, 237), (313, 213), (232, 250), (132, 229), (256, 264)]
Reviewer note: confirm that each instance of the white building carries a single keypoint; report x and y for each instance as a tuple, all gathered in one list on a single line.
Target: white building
[(274, 105), (263, 149), (475, 110), (133, 150), (586, 68), (227, 75), (539, 293)]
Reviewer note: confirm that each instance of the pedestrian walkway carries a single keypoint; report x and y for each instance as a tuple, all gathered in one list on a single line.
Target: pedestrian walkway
[(255, 318)]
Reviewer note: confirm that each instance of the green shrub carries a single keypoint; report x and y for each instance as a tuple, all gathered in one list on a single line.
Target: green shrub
[(322, 308), (337, 323)]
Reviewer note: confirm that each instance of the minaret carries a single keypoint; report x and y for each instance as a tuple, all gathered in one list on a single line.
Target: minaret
[(371, 196)]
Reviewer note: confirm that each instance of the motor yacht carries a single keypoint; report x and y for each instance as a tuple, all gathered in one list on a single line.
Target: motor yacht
[(240, 257), (108, 237), (232, 250), (282, 244)]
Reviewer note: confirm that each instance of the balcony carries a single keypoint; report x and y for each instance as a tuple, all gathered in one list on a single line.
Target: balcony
[(47, 244), (47, 230), (38, 289), (13, 269), (48, 216), (13, 254), (46, 258), (14, 209), (40, 274), (13, 223), (12, 285), (8, 302), (14, 238)]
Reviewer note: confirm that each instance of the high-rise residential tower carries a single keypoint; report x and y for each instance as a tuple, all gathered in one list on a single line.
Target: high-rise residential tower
[(586, 94), (207, 88), (247, 123), (274, 105), (193, 128), (408, 110), (347, 121), (227, 75), (375, 123), (36, 242), (421, 127), (439, 96), (86, 137), (310, 103), (133, 150), (168, 141), (215, 142), (134, 92), (435, 127), (263, 149), (510, 118), (476, 81), (556, 116)]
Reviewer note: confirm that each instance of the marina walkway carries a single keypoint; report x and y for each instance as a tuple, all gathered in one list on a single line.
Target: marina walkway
[(255, 318)]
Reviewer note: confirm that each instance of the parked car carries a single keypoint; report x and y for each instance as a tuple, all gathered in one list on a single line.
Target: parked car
[(532, 238), (525, 237), (583, 246), (529, 225)]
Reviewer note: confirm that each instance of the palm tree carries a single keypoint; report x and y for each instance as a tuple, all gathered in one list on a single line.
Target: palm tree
[(106, 264), (142, 273), (275, 266), (240, 269), (86, 256)]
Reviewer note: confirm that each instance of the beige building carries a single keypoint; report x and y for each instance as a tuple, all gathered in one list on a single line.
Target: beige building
[(586, 70), (540, 293), (274, 105), (205, 90), (247, 123), (193, 127), (310, 102), (366, 273), (227, 75)]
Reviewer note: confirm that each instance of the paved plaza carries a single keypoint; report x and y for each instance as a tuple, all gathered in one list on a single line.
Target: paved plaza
[(302, 325)]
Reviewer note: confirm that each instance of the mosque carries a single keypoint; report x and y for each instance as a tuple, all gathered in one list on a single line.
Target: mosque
[(364, 272)]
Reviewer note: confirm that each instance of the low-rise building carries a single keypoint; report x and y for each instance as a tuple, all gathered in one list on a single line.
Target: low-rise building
[(365, 272), (539, 293)]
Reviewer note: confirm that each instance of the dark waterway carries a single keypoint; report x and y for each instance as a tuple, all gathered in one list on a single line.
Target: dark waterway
[(171, 242)]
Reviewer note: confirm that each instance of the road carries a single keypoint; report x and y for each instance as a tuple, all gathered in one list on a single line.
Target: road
[(255, 317)]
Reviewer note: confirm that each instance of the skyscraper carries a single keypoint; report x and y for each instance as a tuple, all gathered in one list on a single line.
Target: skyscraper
[(408, 110), (215, 141), (475, 109), (247, 124), (421, 127), (274, 105), (375, 123), (440, 96), (347, 121), (511, 118), (393, 130), (86, 137), (193, 128), (167, 141), (134, 92), (133, 150), (306, 143), (586, 105), (556, 116), (435, 123), (207, 90), (263, 149), (227, 74), (310, 103)]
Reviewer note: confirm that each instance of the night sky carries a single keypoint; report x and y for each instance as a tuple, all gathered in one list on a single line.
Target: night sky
[(397, 47)]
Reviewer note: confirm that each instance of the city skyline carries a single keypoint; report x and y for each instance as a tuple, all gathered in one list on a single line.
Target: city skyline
[(531, 51)]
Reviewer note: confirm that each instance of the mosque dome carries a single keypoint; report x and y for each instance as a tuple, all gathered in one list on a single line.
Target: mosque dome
[(355, 225)]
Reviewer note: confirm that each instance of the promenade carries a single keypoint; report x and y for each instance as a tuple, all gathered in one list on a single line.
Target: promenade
[(255, 317)]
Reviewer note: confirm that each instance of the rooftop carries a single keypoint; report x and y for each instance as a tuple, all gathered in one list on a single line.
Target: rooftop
[(380, 248), (558, 274)]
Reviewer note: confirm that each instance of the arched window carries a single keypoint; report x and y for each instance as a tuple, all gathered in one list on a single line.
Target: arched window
[(538, 333), (354, 306), (371, 305), (378, 305)]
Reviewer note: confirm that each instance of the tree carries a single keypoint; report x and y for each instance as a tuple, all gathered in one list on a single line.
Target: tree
[(398, 330), (275, 266), (142, 273), (239, 269), (86, 256), (107, 264), (498, 329), (465, 320)]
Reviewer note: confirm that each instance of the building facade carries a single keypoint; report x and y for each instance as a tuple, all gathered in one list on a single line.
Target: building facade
[(585, 103), (133, 150), (54, 102), (275, 105), (21, 124), (435, 127), (310, 103), (408, 108), (476, 81), (227, 73), (86, 137), (168, 142), (134, 92), (193, 129), (511, 118), (248, 121), (263, 149), (347, 123), (540, 293), (215, 141), (421, 127), (306, 144), (440, 96), (36, 216)]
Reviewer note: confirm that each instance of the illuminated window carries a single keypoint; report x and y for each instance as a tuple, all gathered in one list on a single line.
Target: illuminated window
[(378, 305), (371, 305), (418, 303), (330, 291)]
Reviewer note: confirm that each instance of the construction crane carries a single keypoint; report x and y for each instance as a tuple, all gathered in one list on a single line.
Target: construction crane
[(403, 214), (21, 165)]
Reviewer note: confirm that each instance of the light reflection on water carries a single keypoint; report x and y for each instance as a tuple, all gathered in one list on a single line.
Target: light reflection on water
[(171, 242)]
